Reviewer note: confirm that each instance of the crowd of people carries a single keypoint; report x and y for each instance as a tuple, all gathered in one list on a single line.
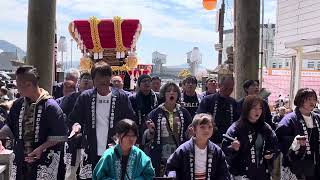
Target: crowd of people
[(90, 128)]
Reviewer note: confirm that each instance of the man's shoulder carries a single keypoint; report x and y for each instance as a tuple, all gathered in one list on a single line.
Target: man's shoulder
[(118, 92), (231, 99), (133, 98), (128, 93), (74, 94), (18, 101), (210, 97), (87, 92), (289, 118), (60, 99), (51, 103), (156, 111)]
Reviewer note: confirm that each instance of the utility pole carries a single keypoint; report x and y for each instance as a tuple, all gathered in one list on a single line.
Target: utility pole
[(56, 77), (221, 27), (234, 23), (246, 59), (261, 48), (40, 39)]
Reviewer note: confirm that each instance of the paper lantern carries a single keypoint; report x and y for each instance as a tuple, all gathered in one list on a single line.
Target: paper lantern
[(209, 4)]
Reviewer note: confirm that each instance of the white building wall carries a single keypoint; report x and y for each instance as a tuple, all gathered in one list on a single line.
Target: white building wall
[(296, 20)]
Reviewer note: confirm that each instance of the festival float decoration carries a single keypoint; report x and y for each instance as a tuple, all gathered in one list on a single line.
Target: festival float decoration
[(110, 40)]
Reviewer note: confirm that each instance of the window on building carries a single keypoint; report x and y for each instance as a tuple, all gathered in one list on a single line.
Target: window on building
[(280, 65), (274, 65), (310, 65), (318, 66), (287, 63)]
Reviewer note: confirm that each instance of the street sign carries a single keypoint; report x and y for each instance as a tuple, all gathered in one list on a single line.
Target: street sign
[(218, 47)]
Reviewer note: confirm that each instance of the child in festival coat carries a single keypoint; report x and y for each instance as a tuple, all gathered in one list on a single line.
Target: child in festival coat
[(124, 161), (199, 158)]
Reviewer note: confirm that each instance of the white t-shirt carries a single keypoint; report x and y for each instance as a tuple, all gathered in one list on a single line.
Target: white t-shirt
[(102, 121), (200, 162), (308, 120)]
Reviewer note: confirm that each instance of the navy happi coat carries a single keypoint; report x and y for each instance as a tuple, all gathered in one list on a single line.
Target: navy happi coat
[(301, 161), (156, 147), (246, 162), (84, 113), (182, 161), (48, 125)]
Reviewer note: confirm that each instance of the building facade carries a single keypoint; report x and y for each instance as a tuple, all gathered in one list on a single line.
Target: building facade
[(297, 20)]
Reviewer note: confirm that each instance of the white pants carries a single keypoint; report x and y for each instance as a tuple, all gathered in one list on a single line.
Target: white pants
[(71, 171)]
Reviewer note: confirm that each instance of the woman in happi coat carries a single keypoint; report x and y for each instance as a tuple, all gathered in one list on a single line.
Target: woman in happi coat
[(124, 161), (199, 158), (169, 124), (299, 139), (252, 144)]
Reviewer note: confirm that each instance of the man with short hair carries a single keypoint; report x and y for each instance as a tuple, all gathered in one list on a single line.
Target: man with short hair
[(68, 88), (72, 75), (211, 87), (67, 102), (190, 99), (156, 84), (222, 107), (95, 114), (36, 122), (117, 82), (143, 102)]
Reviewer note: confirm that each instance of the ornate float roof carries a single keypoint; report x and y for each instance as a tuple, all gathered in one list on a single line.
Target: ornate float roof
[(109, 39)]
